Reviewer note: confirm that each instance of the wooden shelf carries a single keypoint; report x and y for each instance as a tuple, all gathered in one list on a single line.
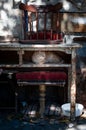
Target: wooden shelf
[(31, 65), (36, 47), (60, 84)]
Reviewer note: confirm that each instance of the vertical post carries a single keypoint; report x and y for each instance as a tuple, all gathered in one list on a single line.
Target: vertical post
[(25, 24), (73, 84), (37, 24), (16, 101), (42, 100), (45, 18), (69, 83), (20, 53)]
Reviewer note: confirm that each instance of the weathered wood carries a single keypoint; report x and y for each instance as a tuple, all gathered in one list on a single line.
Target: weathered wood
[(42, 89), (73, 84), (72, 47)]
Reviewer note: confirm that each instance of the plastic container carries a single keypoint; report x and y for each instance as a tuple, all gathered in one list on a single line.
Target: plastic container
[(66, 109)]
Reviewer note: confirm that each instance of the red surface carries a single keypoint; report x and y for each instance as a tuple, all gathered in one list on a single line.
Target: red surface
[(46, 35), (42, 75)]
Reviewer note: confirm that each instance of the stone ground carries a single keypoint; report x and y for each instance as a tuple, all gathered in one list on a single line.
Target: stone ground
[(11, 121)]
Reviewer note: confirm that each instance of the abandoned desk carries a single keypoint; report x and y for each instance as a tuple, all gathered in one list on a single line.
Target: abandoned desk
[(20, 49)]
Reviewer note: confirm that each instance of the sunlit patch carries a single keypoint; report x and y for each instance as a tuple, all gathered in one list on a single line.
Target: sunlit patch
[(52, 108), (66, 5), (4, 15), (37, 2), (32, 113), (7, 6), (79, 20), (81, 127)]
